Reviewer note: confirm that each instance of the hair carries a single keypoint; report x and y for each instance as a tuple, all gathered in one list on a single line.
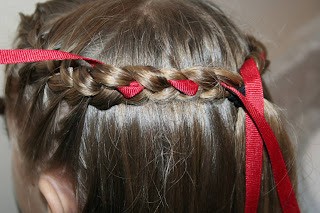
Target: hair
[(162, 150)]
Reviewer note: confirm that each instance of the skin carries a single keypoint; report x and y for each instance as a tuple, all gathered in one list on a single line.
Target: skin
[(29, 195), (50, 192), (39, 191), (27, 192)]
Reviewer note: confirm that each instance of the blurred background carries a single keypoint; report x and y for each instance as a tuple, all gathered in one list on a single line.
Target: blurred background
[(291, 31)]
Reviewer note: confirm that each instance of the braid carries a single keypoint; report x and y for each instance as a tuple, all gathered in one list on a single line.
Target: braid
[(174, 141), (257, 49), (100, 83)]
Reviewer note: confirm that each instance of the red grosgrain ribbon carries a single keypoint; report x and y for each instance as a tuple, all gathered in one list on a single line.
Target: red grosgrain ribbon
[(254, 144), (188, 87), (132, 90), (258, 130), (34, 55)]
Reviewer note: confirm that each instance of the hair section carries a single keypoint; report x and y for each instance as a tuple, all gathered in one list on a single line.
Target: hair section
[(160, 151)]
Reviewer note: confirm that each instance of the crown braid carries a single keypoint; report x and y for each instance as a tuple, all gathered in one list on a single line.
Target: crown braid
[(100, 83)]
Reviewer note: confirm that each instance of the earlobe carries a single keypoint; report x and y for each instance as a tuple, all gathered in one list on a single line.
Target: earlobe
[(58, 192)]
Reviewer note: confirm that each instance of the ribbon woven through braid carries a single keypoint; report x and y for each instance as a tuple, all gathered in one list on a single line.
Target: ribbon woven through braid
[(258, 130)]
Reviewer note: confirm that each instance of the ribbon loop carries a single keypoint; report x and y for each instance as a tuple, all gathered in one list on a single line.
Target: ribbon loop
[(188, 87), (132, 90)]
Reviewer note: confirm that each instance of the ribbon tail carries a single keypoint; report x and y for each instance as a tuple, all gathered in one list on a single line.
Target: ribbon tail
[(287, 197), (35, 55), (254, 151), (254, 143)]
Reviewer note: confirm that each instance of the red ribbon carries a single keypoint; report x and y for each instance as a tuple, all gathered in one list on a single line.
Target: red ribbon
[(257, 128), (254, 142), (34, 55), (132, 90), (257, 132), (188, 87)]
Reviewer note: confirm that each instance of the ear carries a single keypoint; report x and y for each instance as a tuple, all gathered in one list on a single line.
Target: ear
[(58, 192)]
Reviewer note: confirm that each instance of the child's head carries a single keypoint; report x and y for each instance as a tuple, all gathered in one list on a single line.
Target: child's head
[(87, 147)]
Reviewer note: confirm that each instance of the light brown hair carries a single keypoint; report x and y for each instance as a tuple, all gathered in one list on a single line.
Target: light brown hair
[(160, 151)]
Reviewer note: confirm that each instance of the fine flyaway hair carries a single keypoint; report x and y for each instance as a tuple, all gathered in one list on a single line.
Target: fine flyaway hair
[(161, 150)]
